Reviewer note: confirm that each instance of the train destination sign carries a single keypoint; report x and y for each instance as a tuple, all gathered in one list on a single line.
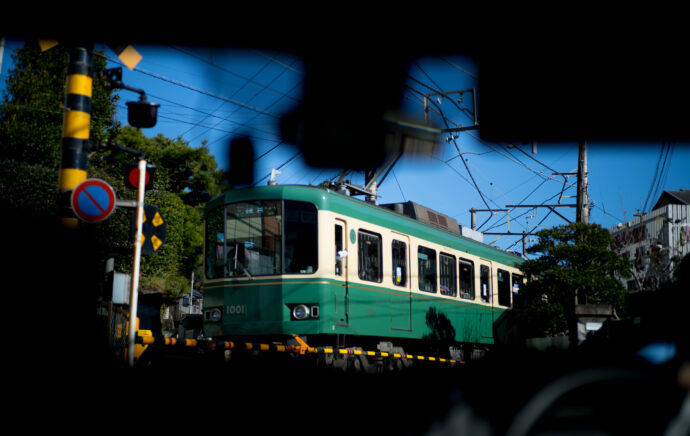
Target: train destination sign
[(93, 200)]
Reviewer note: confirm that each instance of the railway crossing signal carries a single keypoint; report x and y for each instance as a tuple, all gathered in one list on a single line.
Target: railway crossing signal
[(132, 175)]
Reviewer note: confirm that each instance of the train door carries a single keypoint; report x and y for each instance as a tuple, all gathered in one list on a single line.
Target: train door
[(401, 301), (341, 297)]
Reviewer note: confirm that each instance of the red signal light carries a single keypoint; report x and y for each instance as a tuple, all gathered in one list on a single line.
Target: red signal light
[(132, 176)]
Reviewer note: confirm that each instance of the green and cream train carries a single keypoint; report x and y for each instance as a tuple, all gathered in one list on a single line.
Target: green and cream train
[(310, 261)]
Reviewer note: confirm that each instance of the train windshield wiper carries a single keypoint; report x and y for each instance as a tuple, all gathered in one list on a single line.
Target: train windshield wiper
[(242, 266)]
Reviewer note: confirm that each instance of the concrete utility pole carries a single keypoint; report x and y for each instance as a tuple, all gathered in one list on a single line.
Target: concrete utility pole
[(75, 128), (582, 215)]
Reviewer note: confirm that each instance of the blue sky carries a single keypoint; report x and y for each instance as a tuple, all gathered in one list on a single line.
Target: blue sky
[(214, 95)]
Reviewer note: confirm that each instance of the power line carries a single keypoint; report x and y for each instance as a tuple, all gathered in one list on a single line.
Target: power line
[(474, 183), (281, 166), (223, 104), (459, 68), (225, 70), (267, 107), (199, 90), (399, 187), (663, 156), (437, 91)]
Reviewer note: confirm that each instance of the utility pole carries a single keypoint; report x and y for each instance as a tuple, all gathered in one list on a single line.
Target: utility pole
[(582, 215), (76, 128)]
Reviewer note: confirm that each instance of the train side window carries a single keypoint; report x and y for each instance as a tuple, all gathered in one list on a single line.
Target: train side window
[(503, 278), (517, 286), (467, 279), (448, 275), (485, 283), (427, 269), (338, 250), (369, 251), (399, 249)]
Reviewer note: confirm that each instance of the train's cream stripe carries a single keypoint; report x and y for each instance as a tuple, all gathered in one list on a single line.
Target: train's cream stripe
[(365, 288)]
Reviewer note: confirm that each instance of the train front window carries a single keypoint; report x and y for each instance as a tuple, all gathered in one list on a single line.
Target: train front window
[(263, 237), (301, 244), (215, 243), (253, 238)]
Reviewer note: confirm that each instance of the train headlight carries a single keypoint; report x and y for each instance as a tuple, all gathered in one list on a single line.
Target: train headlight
[(300, 311), (213, 315)]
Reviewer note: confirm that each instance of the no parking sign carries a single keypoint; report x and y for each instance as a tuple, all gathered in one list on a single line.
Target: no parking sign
[(93, 200)]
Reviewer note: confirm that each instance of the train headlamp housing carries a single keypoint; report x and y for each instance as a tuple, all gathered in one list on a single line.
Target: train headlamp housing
[(300, 311), (304, 311), (213, 315)]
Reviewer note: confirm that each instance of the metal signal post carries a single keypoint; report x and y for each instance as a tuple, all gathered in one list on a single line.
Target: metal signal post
[(134, 291)]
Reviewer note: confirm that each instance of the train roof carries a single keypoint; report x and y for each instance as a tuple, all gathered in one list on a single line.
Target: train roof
[(328, 199)]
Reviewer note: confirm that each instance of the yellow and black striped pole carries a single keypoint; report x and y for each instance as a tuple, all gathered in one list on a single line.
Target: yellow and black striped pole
[(75, 129)]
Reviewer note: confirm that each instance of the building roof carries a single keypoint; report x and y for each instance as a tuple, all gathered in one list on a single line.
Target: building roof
[(673, 197)]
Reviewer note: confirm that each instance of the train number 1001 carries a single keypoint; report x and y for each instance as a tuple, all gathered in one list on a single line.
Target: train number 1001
[(236, 309)]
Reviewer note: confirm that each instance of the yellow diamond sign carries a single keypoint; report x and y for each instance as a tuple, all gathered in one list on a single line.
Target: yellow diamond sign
[(153, 227), (155, 242), (157, 220)]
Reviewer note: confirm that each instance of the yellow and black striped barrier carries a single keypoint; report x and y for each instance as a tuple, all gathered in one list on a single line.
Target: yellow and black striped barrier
[(76, 128), (302, 348)]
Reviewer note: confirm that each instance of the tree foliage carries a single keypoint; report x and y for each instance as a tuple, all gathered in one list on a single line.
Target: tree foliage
[(31, 119), (32, 107), (575, 263)]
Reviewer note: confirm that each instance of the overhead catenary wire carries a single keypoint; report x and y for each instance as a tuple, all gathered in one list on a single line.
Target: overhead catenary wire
[(246, 123), (507, 154), (223, 103), (494, 149), (259, 92), (198, 90), (281, 166), (233, 101), (225, 70), (474, 183), (660, 173), (459, 68)]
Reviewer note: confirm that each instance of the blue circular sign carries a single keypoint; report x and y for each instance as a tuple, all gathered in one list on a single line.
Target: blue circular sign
[(93, 200)]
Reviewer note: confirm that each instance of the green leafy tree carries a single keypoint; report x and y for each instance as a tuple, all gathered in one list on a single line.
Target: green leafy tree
[(31, 119), (189, 172), (32, 106), (185, 179), (576, 266)]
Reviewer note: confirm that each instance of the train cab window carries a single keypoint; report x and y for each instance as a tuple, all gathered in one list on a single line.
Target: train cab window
[(253, 236), (426, 259), (467, 279), (369, 253), (399, 250), (264, 237), (448, 276), (503, 278), (485, 283), (301, 242), (215, 248)]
